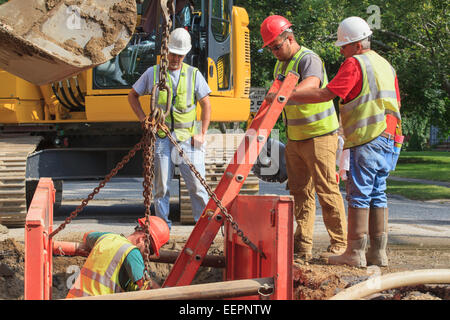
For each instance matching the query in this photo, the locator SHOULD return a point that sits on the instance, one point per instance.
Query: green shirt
(132, 269)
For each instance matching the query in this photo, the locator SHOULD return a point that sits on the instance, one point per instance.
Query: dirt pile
(12, 258)
(313, 281)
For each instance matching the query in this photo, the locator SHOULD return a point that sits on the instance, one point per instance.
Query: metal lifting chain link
(108, 177)
(150, 125)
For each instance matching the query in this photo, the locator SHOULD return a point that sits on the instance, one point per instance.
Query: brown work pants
(311, 168)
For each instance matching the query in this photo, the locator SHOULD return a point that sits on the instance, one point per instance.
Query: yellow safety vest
(363, 118)
(306, 121)
(100, 272)
(183, 113)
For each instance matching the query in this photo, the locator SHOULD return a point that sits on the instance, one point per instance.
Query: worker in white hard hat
(370, 115)
(312, 142)
(188, 86)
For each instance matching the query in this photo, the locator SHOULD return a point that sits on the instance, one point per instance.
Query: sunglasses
(277, 47)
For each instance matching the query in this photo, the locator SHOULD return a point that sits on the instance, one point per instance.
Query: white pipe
(393, 280)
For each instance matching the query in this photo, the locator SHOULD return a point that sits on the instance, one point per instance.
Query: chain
(150, 128)
(148, 165)
(167, 9)
(211, 193)
(108, 177)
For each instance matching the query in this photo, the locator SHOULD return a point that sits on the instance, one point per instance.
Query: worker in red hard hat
(369, 105)
(312, 132)
(115, 262)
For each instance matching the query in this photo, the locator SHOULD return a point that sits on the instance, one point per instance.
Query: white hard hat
(179, 42)
(352, 29)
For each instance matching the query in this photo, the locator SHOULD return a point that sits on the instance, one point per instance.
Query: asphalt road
(119, 203)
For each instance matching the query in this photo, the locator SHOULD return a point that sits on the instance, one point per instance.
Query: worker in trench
(188, 86)
(115, 262)
(367, 86)
(312, 142)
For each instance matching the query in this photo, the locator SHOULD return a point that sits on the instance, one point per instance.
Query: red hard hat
(159, 232)
(272, 27)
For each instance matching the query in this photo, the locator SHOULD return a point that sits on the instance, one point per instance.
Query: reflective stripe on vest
(105, 278)
(306, 121)
(363, 118)
(184, 107)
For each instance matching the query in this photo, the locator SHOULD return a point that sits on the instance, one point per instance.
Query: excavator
(66, 68)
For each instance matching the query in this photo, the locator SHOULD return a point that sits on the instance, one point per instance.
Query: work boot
(302, 257)
(355, 253)
(378, 220)
(332, 250)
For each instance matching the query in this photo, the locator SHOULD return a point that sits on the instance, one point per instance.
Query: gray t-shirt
(311, 65)
(144, 84)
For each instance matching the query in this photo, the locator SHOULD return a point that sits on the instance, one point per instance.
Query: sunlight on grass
(417, 191)
(424, 165)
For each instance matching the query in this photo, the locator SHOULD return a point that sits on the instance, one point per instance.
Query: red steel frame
(206, 228)
(38, 245)
(271, 222)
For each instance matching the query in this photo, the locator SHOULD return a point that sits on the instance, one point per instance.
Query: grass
(426, 165)
(417, 191)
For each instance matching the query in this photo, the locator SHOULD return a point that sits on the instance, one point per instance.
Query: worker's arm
(205, 105)
(311, 95)
(307, 91)
(133, 100)
(308, 83)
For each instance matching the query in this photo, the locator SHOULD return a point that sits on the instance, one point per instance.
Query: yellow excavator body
(74, 106)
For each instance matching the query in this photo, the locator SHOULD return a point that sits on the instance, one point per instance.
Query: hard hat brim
(343, 43)
(179, 52)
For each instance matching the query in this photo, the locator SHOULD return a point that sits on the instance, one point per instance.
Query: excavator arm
(43, 41)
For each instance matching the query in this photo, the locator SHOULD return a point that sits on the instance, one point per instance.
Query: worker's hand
(148, 285)
(198, 140)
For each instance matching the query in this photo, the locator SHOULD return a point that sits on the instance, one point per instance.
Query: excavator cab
(208, 22)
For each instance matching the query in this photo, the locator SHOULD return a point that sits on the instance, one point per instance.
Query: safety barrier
(38, 245)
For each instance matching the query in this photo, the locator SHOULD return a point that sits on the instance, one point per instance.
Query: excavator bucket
(43, 41)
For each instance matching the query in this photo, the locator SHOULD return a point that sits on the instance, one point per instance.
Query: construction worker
(188, 86)
(312, 142)
(369, 110)
(115, 262)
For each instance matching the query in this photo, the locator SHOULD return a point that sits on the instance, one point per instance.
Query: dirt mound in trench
(12, 258)
(313, 281)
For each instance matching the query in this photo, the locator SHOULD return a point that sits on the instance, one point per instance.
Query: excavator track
(14, 151)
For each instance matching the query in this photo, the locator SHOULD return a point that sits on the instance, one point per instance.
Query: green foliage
(3, 1)
(412, 36)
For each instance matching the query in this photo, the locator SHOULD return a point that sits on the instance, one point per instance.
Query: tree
(411, 34)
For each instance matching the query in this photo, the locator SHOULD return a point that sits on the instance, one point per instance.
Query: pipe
(66, 248)
(214, 290)
(393, 280)
(167, 256)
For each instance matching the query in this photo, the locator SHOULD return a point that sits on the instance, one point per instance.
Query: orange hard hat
(159, 232)
(272, 27)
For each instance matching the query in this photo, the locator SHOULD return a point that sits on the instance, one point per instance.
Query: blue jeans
(166, 156)
(370, 165)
